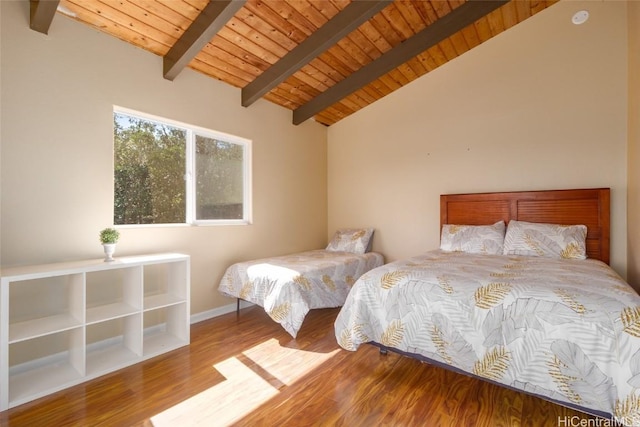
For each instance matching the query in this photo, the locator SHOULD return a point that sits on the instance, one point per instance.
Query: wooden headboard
(567, 207)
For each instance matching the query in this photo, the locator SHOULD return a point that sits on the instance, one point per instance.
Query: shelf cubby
(46, 371)
(113, 344)
(54, 304)
(113, 293)
(164, 330)
(163, 284)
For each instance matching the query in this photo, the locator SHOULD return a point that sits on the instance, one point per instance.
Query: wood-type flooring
(247, 371)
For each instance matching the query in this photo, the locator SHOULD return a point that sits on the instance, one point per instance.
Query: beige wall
(633, 209)
(58, 92)
(541, 106)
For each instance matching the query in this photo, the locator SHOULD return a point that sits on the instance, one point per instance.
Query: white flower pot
(109, 249)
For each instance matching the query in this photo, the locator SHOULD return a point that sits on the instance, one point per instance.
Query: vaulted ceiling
(324, 59)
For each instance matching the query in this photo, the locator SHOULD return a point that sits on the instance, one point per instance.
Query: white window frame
(191, 132)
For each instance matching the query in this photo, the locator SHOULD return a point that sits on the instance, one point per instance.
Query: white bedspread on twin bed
(568, 330)
(289, 286)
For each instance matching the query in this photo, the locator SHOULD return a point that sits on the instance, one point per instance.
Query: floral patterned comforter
(289, 286)
(568, 330)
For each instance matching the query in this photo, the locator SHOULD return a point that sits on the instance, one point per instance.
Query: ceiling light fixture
(580, 17)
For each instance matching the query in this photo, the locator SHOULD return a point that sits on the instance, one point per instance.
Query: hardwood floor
(248, 371)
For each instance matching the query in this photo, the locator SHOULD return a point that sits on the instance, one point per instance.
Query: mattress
(565, 330)
(289, 286)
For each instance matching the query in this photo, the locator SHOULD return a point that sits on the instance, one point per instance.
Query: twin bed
(520, 293)
(527, 312)
(287, 287)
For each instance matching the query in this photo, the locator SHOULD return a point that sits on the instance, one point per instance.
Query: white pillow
(355, 240)
(546, 240)
(473, 239)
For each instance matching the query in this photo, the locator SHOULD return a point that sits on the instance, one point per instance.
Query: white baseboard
(219, 311)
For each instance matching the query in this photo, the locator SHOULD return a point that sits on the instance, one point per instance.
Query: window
(167, 172)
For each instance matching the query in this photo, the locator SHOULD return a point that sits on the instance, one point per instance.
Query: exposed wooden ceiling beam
(206, 25)
(338, 27)
(459, 18)
(41, 14)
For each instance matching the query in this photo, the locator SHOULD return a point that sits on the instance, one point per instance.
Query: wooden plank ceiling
(257, 34)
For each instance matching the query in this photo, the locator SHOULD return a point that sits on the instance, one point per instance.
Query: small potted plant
(109, 237)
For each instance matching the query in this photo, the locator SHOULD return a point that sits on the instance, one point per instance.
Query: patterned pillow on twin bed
(473, 239)
(546, 240)
(355, 240)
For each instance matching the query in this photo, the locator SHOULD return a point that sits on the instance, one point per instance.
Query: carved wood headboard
(567, 207)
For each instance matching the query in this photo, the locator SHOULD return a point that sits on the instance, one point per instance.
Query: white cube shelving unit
(62, 324)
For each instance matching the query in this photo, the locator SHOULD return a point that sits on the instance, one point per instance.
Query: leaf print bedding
(565, 330)
(287, 287)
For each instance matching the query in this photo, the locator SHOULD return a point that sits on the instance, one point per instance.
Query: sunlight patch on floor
(284, 363)
(248, 385)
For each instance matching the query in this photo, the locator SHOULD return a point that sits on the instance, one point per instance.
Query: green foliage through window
(218, 179)
(150, 166)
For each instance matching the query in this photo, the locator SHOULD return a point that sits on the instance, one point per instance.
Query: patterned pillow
(473, 239)
(546, 240)
(354, 240)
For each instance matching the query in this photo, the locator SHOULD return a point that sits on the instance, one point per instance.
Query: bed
(287, 287)
(564, 328)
